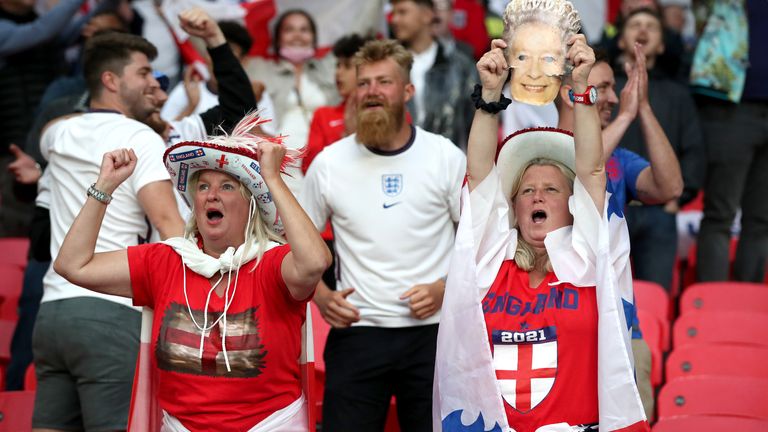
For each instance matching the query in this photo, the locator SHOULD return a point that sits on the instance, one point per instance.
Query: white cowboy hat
(234, 155)
(527, 144)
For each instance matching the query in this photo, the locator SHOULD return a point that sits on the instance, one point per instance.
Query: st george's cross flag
(594, 251)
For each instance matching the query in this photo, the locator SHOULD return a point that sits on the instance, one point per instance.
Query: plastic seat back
(651, 329)
(14, 251)
(719, 360)
(714, 395)
(320, 329)
(30, 378)
(710, 424)
(741, 328)
(16, 411)
(652, 298)
(725, 296)
(11, 283)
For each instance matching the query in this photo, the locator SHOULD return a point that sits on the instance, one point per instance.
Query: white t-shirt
(519, 115)
(393, 219)
(74, 149)
(43, 198)
(422, 62)
(177, 101)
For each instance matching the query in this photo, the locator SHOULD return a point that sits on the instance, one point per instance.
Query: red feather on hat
(243, 140)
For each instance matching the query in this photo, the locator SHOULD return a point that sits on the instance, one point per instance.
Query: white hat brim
(525, 145)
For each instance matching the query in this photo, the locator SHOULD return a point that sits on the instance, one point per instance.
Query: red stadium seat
(30, 378)
(650, 326)
(11, 282)
(16, 411)
(14, 251)
(719, 360)
(710, 424)
(6, 334)
(744, 328)
(710, 395)
(651, 297)
(725, 296)
(320, 329)
(651, 329)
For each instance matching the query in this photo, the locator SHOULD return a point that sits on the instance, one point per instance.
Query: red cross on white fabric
(222, 161)
(523, 376)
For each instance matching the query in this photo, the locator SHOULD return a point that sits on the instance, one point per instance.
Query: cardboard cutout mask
(537, 60)
(536, 32)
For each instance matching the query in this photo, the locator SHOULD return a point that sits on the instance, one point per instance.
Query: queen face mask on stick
(536, 33)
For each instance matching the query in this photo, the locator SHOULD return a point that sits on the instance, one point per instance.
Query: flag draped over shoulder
(465, 395)
(145, 413)
(592, 252)
(621, 408)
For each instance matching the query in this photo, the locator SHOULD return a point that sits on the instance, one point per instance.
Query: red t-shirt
(544, 344)
(326, 128)
(263, 340)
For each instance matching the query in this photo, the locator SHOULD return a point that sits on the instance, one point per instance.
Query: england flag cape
(594, 251)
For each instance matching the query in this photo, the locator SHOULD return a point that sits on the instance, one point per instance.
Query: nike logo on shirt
(386, 206)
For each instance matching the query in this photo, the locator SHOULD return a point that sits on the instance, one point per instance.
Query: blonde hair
(559, 14)
(258, 230)
(525, 256)
(382, 49)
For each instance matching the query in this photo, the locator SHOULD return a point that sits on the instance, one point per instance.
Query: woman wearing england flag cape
(229, 298)
(533, 336)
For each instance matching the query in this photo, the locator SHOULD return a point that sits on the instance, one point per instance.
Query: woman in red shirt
(519, 328)
(229, 297)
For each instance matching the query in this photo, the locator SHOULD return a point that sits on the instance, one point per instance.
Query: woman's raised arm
(483, 136)
(303, 267)
(587, 134)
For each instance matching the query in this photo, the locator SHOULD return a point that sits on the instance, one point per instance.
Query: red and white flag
(470, 385)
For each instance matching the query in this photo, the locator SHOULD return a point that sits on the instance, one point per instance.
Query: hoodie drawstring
(227, 299)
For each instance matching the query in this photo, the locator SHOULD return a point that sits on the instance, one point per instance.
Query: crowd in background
(706, 91)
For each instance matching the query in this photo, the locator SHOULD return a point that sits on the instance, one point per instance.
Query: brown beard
(377, 128)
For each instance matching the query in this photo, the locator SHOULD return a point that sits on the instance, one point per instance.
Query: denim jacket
(448, 85)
